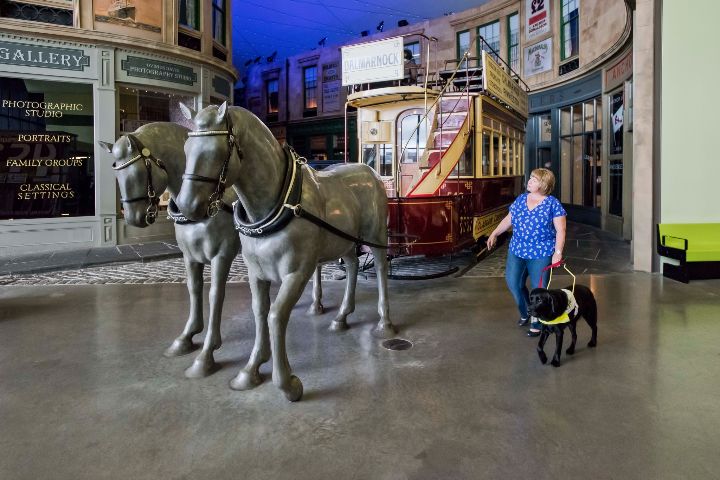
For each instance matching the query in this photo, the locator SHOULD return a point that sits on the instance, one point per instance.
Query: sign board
(619, 72)
(498, 83)
(46, 149)
(42, 56)
(373, 62)
(537, 18)
(158, 70)
(330, 87)
(538, 58)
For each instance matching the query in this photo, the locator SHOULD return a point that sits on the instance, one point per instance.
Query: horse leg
(290, 291)
(183, 345)
(204, 363)
(348, 303)
(249, 377)
(384, 328)
(317, 307)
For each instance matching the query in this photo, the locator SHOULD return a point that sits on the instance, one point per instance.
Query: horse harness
(288, 204)
(151, 197)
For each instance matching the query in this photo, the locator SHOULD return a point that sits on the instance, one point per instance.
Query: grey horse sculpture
(147, 162)
(230, 145)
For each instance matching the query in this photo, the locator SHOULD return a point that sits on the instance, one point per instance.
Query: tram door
(412, 137)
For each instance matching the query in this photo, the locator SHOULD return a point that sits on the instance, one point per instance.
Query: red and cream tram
(451, 155)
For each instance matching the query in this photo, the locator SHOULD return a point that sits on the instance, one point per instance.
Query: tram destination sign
(498, 83)
(373, 62)
(158, 70)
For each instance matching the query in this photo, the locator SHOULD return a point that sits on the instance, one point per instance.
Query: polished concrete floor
(86, 394)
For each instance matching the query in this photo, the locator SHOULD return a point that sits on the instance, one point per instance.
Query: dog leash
(557, 265)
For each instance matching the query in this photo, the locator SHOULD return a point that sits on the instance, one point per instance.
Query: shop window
(581, 154)
(271, 92)
(189, 14)
(545, 125)
(218, 21)
(310, 89)
(514, 42)
(318, 147)
(59, 12)
(569, 29)
(46, 149)
(491, 34)
(463, 45)
(486, 153)
(615, 173)
(138, 107)
(338, 147)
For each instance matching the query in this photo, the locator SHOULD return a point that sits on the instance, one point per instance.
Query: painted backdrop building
(73, 72)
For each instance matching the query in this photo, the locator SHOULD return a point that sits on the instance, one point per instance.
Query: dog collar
(565, 317)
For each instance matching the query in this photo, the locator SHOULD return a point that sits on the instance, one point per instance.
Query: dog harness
(565, 317)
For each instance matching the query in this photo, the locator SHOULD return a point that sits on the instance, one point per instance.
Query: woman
(538, 221)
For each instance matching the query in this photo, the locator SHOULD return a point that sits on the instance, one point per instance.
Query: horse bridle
(151, 197)
(215, 200)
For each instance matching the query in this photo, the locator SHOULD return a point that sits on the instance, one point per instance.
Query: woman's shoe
(535, 328)
(523, 321)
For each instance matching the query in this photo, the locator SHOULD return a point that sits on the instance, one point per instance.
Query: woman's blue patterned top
(533, 230)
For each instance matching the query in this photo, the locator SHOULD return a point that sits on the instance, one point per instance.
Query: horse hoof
(338, 326)
(201, 369)
(295, 391)
(318, 309)
(245, 381)
(179, 347)
(384, 331)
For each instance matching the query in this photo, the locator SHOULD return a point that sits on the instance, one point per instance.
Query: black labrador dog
(550, 305)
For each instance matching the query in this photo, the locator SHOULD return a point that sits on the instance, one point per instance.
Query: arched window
(412, 135)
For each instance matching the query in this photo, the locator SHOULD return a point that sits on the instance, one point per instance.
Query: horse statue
(277, 195)
(148, 161)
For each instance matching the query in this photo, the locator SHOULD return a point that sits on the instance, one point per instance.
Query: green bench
(695, 245)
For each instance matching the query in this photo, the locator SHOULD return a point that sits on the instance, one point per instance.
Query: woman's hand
(556, 257)
(491, 241)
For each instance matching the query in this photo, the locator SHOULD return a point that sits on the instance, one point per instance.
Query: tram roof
(387, 95)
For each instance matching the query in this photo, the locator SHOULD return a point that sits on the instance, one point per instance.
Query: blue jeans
(517, 271)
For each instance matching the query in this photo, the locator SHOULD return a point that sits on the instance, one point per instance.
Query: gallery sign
(152, 69)
(538, 58)
(46, 149)
(373, 62)
(537, 15)
(43, 56)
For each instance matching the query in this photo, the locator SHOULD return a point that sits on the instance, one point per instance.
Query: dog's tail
(589, 312)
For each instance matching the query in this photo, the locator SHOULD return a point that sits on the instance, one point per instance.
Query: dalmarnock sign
(373, 62)
(497, 82)
(43, 56)
(158, 70)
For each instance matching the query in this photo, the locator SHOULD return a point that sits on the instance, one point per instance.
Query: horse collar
(279, 216)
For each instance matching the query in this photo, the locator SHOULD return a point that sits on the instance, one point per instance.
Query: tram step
(444, 139)
(454, 104)
(433, 157)
(452, 120)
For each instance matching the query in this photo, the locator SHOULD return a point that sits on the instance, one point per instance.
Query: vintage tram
(450, 149)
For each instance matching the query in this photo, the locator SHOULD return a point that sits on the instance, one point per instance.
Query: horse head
(211, 151)
(141, 178)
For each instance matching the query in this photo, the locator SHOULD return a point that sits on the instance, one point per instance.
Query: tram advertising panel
(46, 149)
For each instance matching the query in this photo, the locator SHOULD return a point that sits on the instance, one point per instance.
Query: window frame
(222, 12)
(307, 88)
(268, 93)
(563, 54)
(478, 35)
(198, 16)
(417, 57)
(510, 45)
(458, 48)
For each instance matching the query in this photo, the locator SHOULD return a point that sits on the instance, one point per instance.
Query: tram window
(413, 135)
(486, 153)
(465, 164)
(511, 156)
(487, 121)
(383, 151)
(496, 154)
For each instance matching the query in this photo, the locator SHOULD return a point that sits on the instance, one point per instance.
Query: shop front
(57, 100)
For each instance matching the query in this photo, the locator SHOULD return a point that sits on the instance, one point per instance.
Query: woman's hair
(546, 179)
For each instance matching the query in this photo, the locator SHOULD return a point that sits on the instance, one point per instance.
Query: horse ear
(187, 112)
(222, 110)
(107, 146)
